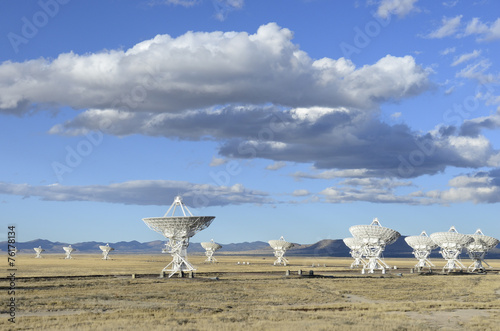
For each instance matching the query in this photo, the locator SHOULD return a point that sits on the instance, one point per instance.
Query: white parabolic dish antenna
(356, 247)
(68, 251)
(38, 251)
(422, 247)
(210, 248)
(478, 248)
(178, 230)
(105, 251)
(451, 244)
(280, 246)
(374, 238)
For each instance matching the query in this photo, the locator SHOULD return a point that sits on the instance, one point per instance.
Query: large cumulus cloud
(201, 69)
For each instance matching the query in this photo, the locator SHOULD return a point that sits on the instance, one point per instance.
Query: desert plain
(126, 293)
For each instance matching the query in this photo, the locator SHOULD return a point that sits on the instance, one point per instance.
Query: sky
(294, 118)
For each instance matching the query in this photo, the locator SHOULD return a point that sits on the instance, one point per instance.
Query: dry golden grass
(256, 296)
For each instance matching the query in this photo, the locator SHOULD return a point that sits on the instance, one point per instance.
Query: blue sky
(295, 118)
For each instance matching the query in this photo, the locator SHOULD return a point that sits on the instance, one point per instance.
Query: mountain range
(326, 247)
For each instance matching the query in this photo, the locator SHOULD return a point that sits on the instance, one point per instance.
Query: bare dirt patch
(451, 320)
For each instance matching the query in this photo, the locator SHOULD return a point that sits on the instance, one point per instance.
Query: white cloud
(199, 70)
(477, 71)
(449, 27)
(486, 32)
(396, 115)
(471, 148)
(370, 190)
(276, 165)
(217, 162)
(448, 51)
(237, 4)
(301, 193)
(450, 3)
(334, 174)
(397, 7)
(142, 192)
(184, 3)
(224, 7)
(475, 26)
(481, 187)
(449, 90)
(466, 57)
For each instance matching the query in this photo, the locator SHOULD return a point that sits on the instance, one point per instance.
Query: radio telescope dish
(451, 244)
(422, 246)
(374, 238)
(280, 246)
(178, 230)
(210, 248)
(68, 251)
(478, 248)
(105, 251)
(38, 251)
(356, 251)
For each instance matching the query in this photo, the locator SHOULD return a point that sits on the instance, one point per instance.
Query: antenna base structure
(478, 260)
(477, 250)
(210, 248)
(423, 261)
(373, 239)
(280, 247)
(452, 257)
(68, 250)
(178, 250)
(178, 230)
(38, 252)
(356, 251)
(373, 251)
(105, 251)
(451, 244)
(422, 247)
(210, 257)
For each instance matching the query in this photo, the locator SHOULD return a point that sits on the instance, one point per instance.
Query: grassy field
(87, 293)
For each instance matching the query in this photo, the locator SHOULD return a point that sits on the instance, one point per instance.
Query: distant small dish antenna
(451, 244)
(38, 251)
(105, 251)
(280, 246)
(374, 238)
(178, 230)
(68, 251)
(422, 247)
(478, 248)
(210, 248)
(356, 250)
